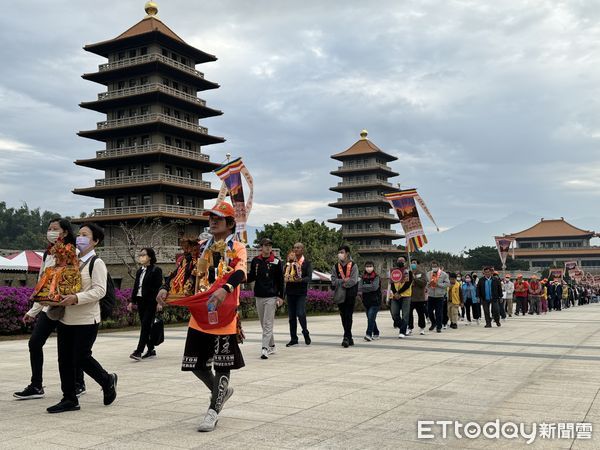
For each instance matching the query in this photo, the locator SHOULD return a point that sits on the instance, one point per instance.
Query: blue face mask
(82, 243)
(413, 266)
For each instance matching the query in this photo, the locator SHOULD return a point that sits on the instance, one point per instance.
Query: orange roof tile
(363, 147)
(147, 25)
(552, 228)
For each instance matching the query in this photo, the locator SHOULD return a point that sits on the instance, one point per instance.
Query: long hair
(66, 226)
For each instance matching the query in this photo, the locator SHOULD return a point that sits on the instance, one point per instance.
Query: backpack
(108, 303)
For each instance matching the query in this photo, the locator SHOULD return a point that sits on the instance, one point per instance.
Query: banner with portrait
(570, 265)
(503, 244)
(404, 204)
(556, 273)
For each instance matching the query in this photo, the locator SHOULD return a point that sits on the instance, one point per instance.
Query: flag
(570, 265)
(231, 174)
(556, 273)
(503, 244)
(576, 274)
(404, 204)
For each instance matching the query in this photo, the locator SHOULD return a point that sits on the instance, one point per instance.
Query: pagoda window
(179, 172)
(184, 61)
(133, 112)
(133, 201)
(189, 174)
(178, 143)
(120, 143)
(120, 114)
(165, 82)
(188, 145)
(133, 142)
(168, 170)
(120, 172)
(133, 171)
(146, 200)
(174, 56)
(167, 111)
(132, 53)
(167, 140)
(146, 169)
(590, 263)
(176, 114)
(169, 199)
(191, 203)
(185, 89)
(121, 56)
(165, 52)
(121, 85)
(179, 200)
(144, 110)
(146, 140)
(143, 81)
(119, 202)
(175, 85)
(187, 118)
(143, 51)
(525, 245)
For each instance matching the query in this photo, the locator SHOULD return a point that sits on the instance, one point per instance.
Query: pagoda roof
(149, 29)
(363, 147)
(552, 228)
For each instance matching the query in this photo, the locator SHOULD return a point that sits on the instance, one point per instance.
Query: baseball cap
(221, 209)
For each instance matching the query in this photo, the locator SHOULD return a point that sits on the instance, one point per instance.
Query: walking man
(401, 295)
(437, 284)
(266, 271)
(298, 273)
(418, 300)
(489, 291)
(344, 281)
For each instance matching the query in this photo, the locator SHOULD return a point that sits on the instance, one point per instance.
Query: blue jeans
(371, 320)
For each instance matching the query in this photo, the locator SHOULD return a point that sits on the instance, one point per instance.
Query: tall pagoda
(153, 161)
(365, 217)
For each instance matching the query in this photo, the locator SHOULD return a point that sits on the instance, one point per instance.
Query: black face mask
(400, 264)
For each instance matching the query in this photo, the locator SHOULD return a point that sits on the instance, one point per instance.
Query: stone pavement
(532, 369)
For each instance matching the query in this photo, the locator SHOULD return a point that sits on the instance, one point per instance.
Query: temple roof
(363, 147)
(147, 25)
(552, 228)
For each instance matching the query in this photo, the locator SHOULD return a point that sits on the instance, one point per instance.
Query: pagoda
(365, 217)
(153, 161)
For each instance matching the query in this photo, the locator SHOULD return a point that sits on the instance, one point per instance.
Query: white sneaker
(368, 338)
(401, 336)
(264, 354)
(210, 421)
(422, 332)
(477, 322)
(271, 350)
(444, 327)
(409, 332)
(375, 337)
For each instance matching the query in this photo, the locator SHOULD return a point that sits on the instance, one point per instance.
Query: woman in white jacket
(78, 328)
(58, 228)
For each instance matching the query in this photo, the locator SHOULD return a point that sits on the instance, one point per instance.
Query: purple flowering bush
(14, 303)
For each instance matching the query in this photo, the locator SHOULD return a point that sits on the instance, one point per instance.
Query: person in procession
(148, 281)
(266, 272)
(369, 288)
(401, 295)
(59, 230)
(455, 300)
(544, 298)
(469, 295)
(344, 283)
(418, 299)
(501, 301)
(508, 289)
(214, 344)
(536, 289)
(297, 276)
(437, 284)
(78, 328)
(489, 290)
(521, 293)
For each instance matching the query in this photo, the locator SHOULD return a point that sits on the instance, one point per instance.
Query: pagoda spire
(151, 9)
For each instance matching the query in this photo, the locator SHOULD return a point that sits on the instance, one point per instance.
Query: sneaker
(80, 390)
(210, 421)
(498, 324)
(264, 354)
(375, 337)
(271, 350)
(401, 336)
(307, 339)
(292, 342)
(409, 332)
(467, 323)
(478, 322)
(64, 406)
(136, 355)
(444, 327)
(351, 342)
(488, 325)
(432, 327)
(149, 354)
(29, 393)
(111, 392)
(454, 326)
(422, 332)
(438, 330)
(345, 343)
(368, 338)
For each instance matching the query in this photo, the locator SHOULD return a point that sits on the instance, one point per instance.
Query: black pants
(75, 350)
(147, 312)
(421, 308)
(41, 331)
(297, 310)
(346, 311)
(435, 306)
(475, 307)
(495, 312)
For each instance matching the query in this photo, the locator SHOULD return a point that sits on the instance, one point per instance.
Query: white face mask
(369, 269)
(434, 269)
(341, 256)
(52, 236)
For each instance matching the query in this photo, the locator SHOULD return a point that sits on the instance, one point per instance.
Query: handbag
(339, 295)
(157, 333)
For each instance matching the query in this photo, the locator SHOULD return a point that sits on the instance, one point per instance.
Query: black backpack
(108, 303)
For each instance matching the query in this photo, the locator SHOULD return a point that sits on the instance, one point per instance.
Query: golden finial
(364, 134)
(151, 9)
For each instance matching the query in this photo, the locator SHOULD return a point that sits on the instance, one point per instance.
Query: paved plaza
(532, 369)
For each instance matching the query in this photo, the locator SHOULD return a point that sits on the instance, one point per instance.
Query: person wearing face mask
(508, 287)
(344, 282)
(148, 281)
(78, 328)
(489, 291)
(469, 294)
(58, 229)
(418, 300)
(369, 287)
(437, 284)
(401, 294)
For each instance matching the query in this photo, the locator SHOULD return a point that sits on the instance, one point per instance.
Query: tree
(22, 228)
(487, 255)
(320, 242)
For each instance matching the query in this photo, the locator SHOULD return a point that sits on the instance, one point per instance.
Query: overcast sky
(491, 107)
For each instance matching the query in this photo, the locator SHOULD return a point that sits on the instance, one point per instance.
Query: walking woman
(58, 229)
(469, 292)
(148, 281)
(78, 328)
(369, 286)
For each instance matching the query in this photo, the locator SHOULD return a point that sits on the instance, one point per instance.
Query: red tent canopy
(28, 260)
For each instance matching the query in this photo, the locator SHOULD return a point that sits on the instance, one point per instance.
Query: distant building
(551, 242)
(365, 214)
(153, 160)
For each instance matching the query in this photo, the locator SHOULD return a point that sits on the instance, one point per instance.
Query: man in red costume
(212, 339)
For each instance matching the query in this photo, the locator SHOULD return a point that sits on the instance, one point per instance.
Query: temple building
(551, 242)
(365, 214)
(153, 160)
